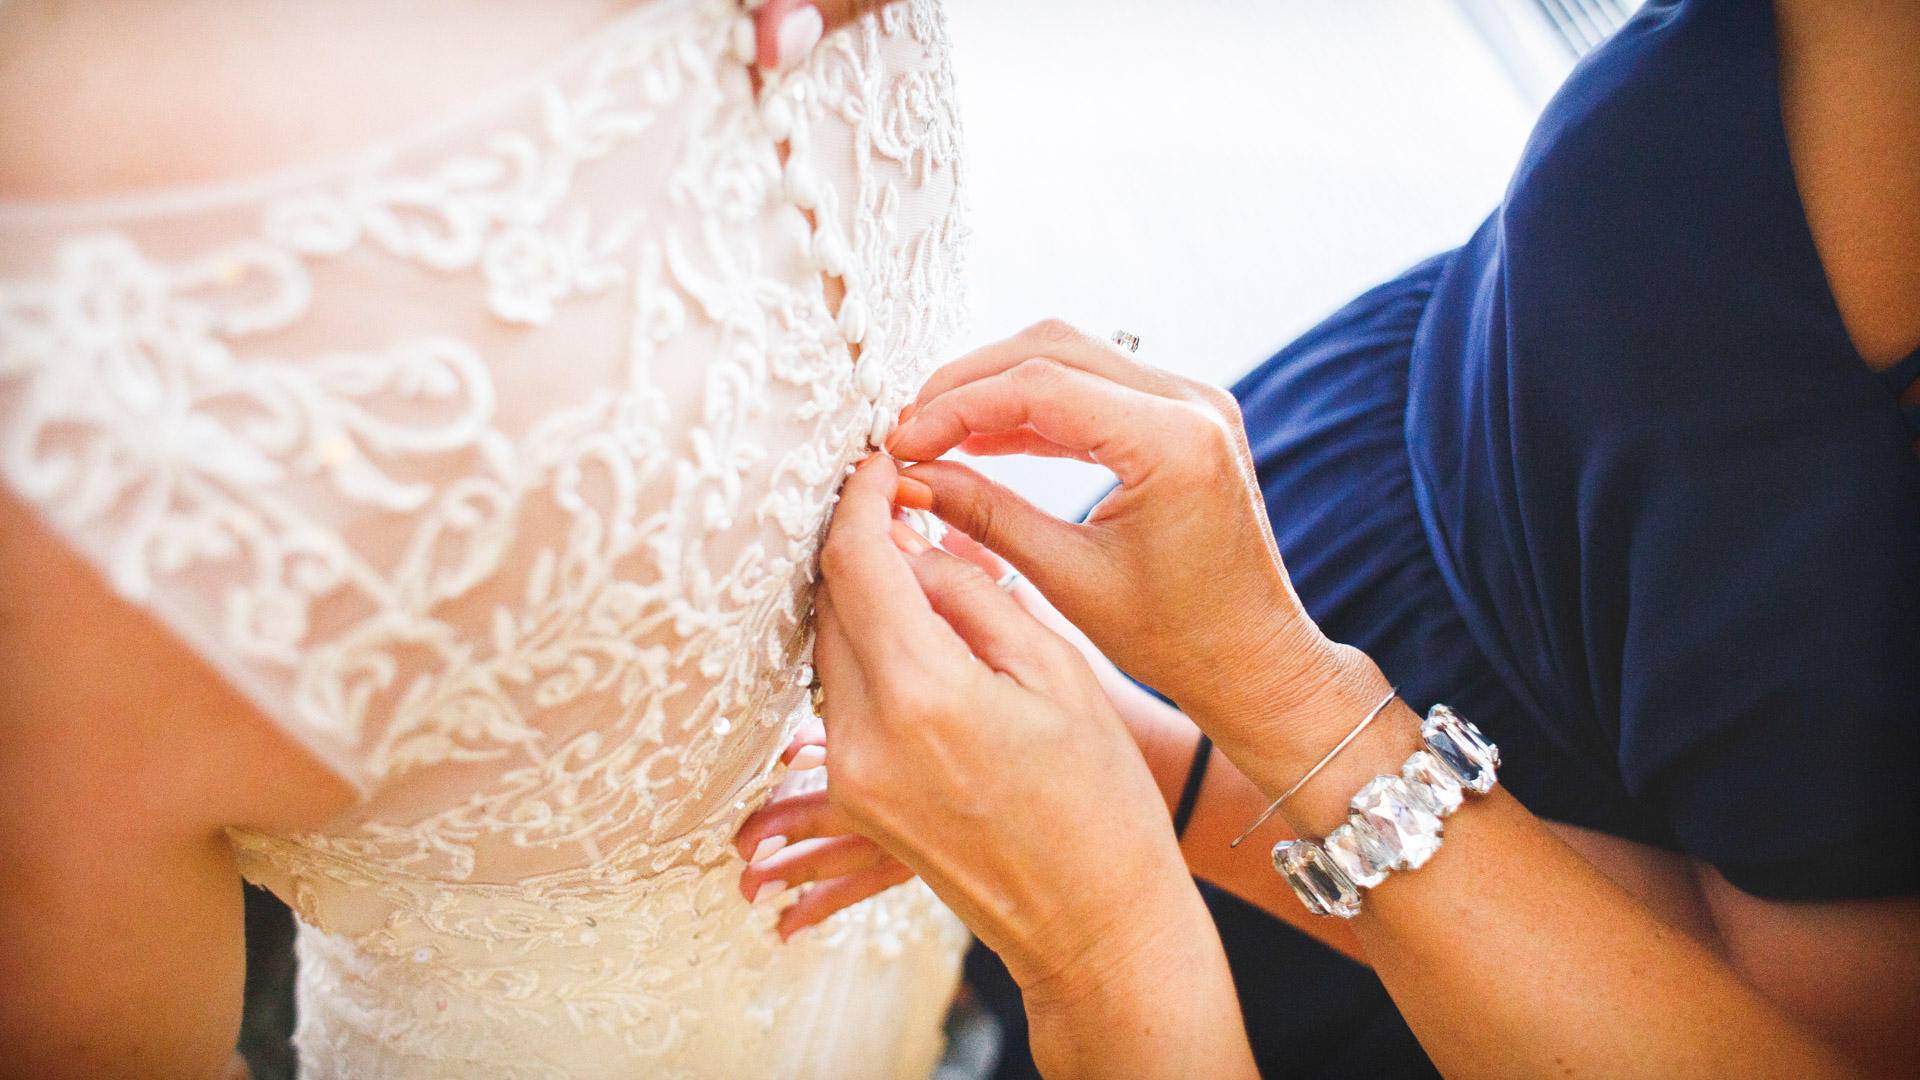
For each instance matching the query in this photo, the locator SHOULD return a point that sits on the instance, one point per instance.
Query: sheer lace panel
(492, 465)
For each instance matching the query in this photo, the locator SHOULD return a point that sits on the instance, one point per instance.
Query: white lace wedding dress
(491, 464)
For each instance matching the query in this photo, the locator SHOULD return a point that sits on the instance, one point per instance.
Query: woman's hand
(802, 839)
(798, 838)
(977, 747)
(1174, 574)
(785, 31)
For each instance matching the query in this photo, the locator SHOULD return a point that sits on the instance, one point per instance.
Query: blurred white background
(1217, 175)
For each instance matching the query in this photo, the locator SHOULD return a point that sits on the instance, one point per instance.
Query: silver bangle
(1395, 823)
(1302, 782)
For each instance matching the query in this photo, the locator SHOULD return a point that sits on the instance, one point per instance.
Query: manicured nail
(770, 889)
(799, 31)
(913, 494)
(767, 847)
(868, 460)
(808, 757)
(907, 411)
(893, 440)
(907, 540)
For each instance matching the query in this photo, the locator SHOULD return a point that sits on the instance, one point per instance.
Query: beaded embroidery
(495, 474)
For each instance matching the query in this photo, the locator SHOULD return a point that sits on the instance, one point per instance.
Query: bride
(417, 424)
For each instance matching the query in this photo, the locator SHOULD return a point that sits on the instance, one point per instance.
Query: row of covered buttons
(784, 117)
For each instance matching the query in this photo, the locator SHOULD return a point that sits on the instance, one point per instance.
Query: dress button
(777, 116)
(801, 186)
(829, 254)
(745, 48)
(881, 428)
(870, 376)
(852, 321)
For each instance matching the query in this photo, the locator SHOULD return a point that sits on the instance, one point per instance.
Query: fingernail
(799, 31)
(868, 460)
(808, 757)
(770, 889)
(797, 936)
(893, 440)
(913, 494)
(907, 411)
(907, 540)
(767, 847)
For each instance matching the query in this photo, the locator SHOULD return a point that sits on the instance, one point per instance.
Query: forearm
(1161, 1005)
(1507, 952)
(1228, 802)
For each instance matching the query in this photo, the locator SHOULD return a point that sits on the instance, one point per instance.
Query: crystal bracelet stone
(1395, 824)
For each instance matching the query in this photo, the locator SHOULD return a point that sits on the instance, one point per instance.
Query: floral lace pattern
(493, 469)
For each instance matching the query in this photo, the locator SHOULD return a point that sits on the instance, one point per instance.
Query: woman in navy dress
(1630, 480)
(1616, 481)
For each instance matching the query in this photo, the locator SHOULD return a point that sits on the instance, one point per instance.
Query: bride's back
(477, 427)
(106, 98)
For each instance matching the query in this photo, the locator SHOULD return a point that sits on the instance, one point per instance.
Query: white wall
(1215, 175)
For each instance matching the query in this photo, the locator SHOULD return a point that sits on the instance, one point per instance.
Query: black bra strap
(1196, 778)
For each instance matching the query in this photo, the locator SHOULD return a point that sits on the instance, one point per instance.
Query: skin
(122, 952)
(948, 634)
(1550, 967)
(1847, 971)
(120, 933)
(126, 758)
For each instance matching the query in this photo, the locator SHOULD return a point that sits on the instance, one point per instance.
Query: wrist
(1285, 726)
(1167, 742)
(1283, 700)
(1165, 1007)
(1126, 964)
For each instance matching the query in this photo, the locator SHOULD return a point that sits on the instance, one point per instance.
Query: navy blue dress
(1613, 481)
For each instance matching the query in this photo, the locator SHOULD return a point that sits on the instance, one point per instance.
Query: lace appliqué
(555, 645)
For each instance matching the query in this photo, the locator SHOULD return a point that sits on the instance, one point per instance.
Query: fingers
(976, 553)
(808, 749)
(995, 627)
(866, 583)
(807, 861)
(1012, 443)
(1097, 419)
(785, 31)
(842, 683)
(1042, 546)
(1031, 599)
(828, 897)
(1056, 340)
(789, 821)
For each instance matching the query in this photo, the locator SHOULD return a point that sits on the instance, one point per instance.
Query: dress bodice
(490, 463)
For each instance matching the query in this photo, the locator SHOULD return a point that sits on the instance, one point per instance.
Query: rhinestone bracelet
(1395, 824)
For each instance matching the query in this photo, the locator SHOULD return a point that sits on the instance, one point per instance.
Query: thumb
(1050, 552)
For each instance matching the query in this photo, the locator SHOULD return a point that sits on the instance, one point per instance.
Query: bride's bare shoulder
(99, 97)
